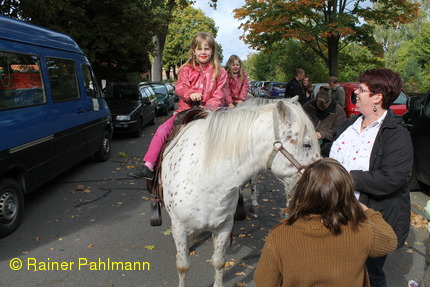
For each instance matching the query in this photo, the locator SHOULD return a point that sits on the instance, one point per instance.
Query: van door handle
(80, 111)
(89, 109)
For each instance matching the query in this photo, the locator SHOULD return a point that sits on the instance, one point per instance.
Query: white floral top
(353, 147)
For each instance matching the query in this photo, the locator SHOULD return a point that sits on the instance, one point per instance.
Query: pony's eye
(307, 146)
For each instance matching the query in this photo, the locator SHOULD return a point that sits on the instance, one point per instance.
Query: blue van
(52, 113)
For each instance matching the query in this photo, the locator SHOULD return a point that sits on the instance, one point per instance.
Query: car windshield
(401, 99)
(279, 87)
(124, 93)
(159, 89)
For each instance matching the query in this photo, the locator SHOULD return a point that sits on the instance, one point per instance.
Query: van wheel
(11, 206)
(103, 153)
(413, 183)
(139, 127)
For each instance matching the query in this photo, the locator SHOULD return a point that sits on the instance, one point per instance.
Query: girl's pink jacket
(200, 81)
(238, 90)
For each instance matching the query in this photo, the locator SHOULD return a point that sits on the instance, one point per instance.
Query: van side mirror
(413, 103)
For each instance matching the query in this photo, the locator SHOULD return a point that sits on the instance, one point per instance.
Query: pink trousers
(158, 140)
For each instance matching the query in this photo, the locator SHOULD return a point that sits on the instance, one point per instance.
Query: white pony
(207, 162)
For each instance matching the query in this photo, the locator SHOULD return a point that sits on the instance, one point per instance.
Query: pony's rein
(279, 147)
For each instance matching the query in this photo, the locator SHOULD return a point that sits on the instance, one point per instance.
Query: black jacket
(294, 88)
(384, 187)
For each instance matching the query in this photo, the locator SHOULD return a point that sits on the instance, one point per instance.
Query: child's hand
(196, 97)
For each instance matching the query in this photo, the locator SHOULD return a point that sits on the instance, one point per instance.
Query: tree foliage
(187, 22)
(326, 27)
(115, 35)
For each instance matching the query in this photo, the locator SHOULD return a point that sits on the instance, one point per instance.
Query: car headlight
(123, 118)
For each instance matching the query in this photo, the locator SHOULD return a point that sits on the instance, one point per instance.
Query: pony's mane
(228, 132)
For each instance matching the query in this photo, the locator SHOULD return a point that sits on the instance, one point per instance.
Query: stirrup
(155, 218)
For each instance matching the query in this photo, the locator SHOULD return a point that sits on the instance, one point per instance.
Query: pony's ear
(295, 100)
(283, 112)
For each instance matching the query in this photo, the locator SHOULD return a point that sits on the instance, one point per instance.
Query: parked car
(132, 107)
(252, 86)
(276, 90)
(53, 113)
(262, 89)
(165, 96)
(417, 120)
(317, 87)
(398, 107)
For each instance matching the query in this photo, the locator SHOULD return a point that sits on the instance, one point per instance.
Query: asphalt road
(94, 218)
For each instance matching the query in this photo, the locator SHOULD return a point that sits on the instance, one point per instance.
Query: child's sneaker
(413, 283)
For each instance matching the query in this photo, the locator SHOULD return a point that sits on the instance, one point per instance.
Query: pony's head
(296, 133)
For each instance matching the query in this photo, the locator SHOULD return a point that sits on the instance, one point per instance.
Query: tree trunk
(156, 69)
(333, 55)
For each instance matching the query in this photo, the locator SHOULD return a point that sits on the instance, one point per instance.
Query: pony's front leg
(220, 240)
(182, 260)
(255, 207)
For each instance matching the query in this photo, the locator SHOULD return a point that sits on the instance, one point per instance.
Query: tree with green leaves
(115, 35)
(187, 22)
(326, 27)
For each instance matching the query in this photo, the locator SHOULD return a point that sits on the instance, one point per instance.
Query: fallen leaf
(122, 154)
(409, 250)
(37, 238)
(87, 191)
(241, 235)
(192, 253)
(150, 247)
(229, 263)
(24, 252)
(130, 167)
(246, 266)
(90, 246)
(168, 231)
(240, 273)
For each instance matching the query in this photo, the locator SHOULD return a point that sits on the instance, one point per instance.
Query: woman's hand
(196, 97)
(364, 206)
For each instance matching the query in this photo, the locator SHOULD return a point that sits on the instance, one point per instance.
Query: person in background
(202, 81)
(294, 87)
(308, 89)
(327, 234)
(376, 149)
(238, 84)
(337, 92)
(326, 115)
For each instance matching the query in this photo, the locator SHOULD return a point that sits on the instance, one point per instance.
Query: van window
(90, 82)
(63, 79)
(20, 81)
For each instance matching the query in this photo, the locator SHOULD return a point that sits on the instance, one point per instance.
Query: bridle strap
(278, 147)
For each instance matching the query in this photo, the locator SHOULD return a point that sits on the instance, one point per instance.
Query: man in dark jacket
(294, 87)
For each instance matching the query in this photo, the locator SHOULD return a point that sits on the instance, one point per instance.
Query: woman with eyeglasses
(376, 149)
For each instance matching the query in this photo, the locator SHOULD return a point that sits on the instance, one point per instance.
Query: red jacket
(238, 90)
(201, 81)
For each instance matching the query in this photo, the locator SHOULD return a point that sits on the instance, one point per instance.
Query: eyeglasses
(361, 90)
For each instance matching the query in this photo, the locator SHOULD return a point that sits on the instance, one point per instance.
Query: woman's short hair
(327, 189)
(383, 81)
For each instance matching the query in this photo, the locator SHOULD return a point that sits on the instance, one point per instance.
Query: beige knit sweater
(307, 254)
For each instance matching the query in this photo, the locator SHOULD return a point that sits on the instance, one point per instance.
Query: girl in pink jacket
(202, 81)
(237, 82)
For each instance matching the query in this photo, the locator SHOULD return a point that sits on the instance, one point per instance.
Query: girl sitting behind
(238, 84)
(327, 235)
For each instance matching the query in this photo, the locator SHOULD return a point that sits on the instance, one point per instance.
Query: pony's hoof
(155, 219)
(255, 209)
